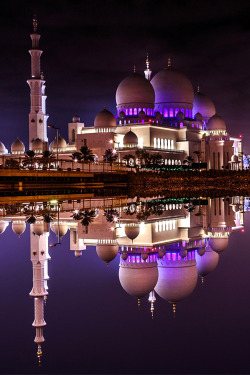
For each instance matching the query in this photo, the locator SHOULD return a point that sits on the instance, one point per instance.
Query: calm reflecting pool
(125, 286)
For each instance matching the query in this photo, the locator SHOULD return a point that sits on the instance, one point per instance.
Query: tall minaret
(39, 257)
(37, 116)
(148, 71)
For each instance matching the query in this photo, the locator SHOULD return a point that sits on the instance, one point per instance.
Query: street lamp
(57, 135)
(118, 143)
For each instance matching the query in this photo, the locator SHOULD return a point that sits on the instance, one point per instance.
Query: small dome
(38, 228)
(62, 145)
(105, 119)
(142, 114)
(37, 145)
(198, 117)
(132, 231)
(216, 122)
(76, 118)
(63, 229)
(122, 114)
(138, 281)
(107, 252)
(218, 244)
(158, 116)
(130, 139)
(207, 262)
(203, 105)
(161, 254)
(17, 147)
(180, 115)
(124, 256)
(3, 226)
(172, 87)
(2, 149)
(18, 227)
(135, 90)
(201, 251)
(78, 253)
(183, 253)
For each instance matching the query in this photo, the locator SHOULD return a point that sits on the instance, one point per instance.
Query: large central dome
(135, 92)
(173, 91)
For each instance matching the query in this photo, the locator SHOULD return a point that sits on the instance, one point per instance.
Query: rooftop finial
(169, 62)
(39, 354)
(105, 107)
(198, 88)
(134, 69)
(152, 309)
(202, 280)
(174, 309)
(139, 303)
(148, 71)
(147, 62)
(35, 23)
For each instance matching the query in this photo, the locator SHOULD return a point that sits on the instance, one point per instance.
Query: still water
(175, 297)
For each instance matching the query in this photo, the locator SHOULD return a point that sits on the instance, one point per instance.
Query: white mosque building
(159, 113)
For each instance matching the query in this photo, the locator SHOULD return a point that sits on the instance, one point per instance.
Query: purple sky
(90, 46)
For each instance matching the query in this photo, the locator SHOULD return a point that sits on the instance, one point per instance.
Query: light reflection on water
(159, 253)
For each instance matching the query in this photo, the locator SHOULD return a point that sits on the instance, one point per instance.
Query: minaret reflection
(39, 233)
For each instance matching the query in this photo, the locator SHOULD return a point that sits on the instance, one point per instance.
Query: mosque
(160, 114)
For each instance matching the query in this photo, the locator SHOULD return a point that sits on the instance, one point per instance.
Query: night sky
(90, 46)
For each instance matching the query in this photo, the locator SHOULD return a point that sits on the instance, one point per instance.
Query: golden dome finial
(202, 280)
(45, 300)
(107, 265)
(198, 88)
(39, 354)
(152, 309)
(174, 309)
(35, 23)
(147, 62)
(134, 69)
(169, 62)
(139, 303)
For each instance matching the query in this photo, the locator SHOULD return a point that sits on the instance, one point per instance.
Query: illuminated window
(165, 112)
(130, 112)
(182, 110)
(190, 113)
(126, 111)
(181, 124)
(144, 109)
(148, 111)
(171, 112)
(135, 111)
(139, 110)
(176, 111)
(186, 112)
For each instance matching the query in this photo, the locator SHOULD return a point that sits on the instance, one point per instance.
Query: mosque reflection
(163, 244)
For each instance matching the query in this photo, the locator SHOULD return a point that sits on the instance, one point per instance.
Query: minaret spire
(147, 72)
(37, 117)
(169, 62)
(152, 299)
